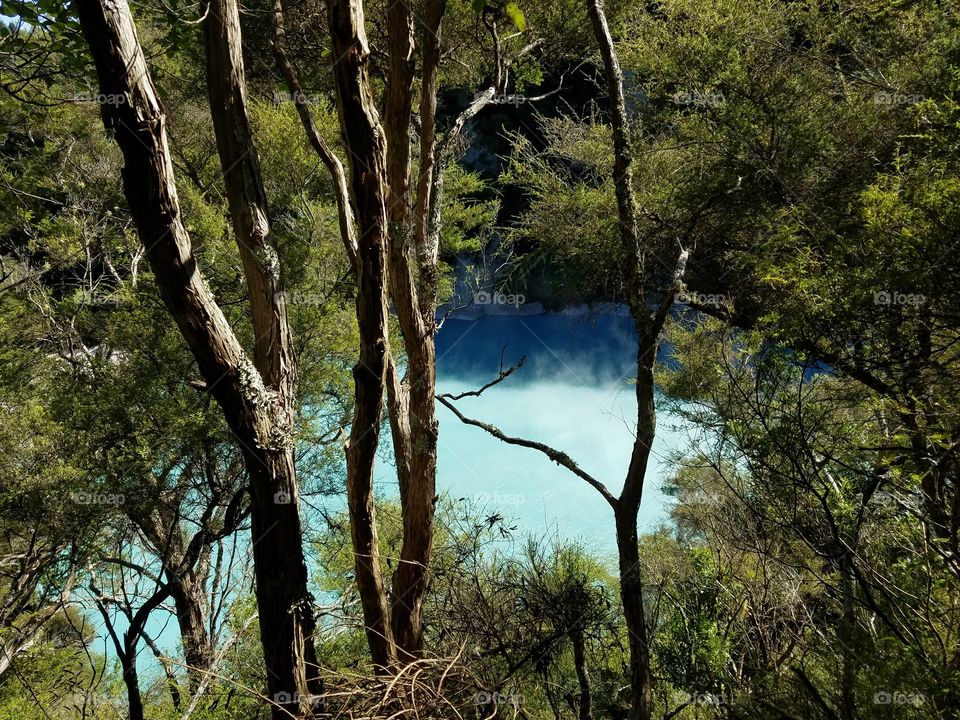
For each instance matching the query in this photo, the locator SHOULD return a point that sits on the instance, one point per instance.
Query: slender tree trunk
(187, 588)
(226, 86)
(649, 324)
(126, 648)
(190, 602)
(631, 595)
(412, 405)
(847, 632)
(585, 709)
(131, 681)
(256, 406)
(648, 327)
(360, 126)
(417, 496)
(431, 171)
(381, 184)
(626, 511)
(622, 160)
(279, 564)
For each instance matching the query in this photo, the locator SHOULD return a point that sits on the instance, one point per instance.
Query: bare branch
(561, 458)
(504, 374)
(334, 166)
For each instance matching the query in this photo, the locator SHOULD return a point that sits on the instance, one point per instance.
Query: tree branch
(561, 458)
(327, 156)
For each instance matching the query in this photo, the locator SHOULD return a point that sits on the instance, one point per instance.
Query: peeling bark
(279, 564)
(412, 405)
(360, 126)
(256, 406)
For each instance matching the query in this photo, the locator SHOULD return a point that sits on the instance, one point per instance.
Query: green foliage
(501, 10)
(805, 154)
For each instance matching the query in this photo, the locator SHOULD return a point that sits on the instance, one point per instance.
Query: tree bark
(648, 328)
(279, 565)
(417, 425)
(622, 158)
(190, 604)
(362, 135)
(381, 193)
(187, 588)
(131, 682)
(430, 170)
(631, 595)
(412, 405)
(256, 412)
(585, 705)
(626, 511)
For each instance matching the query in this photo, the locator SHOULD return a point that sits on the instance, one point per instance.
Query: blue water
(574, 392)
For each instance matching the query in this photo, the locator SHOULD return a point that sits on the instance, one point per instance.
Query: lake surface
(574, 392)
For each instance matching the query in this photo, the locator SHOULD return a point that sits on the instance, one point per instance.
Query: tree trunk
(190, 603)
(362, 135)
(131, 682)
(226, 85)
(648, 327)
(631, 595)
(279, 564)
(187, 586)
(380, 190)
(417, 471)
(622, 159)
(585, 710)
(283, 603)
(258, 414)
(412, 405)
(430, 170)
(626, 510)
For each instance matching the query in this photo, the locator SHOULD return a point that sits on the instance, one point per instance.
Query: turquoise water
(574, 392)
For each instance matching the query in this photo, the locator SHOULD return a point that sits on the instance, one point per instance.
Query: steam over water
(574, 392)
